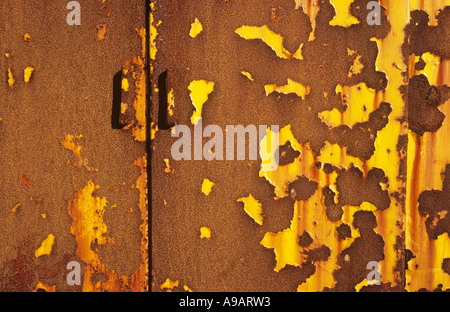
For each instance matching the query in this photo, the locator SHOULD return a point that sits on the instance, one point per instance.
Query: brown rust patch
(434, 205)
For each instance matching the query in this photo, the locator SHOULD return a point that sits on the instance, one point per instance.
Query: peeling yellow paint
(291, 87)
(205, 232)
(343, 16)
(200, 89)
(125, 85)
(170, 103)
(207, 186)
(357, 66)
(253, 208)
(169, 284)
(26, 37)
(27, 73)
(273, 40)
(11, 80)
(168, 168)
(153, 130)
(196, 28)
(142, 32)
(47, 288)
(17, 206)
(138, 127)
(46, 246)
(310, 8)
(248, 75)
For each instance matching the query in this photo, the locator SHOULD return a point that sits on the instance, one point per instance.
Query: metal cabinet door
(73, 185)
(332, 216)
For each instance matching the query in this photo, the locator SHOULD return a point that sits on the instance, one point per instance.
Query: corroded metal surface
(362, 177)
(363, 180)
(72, 187)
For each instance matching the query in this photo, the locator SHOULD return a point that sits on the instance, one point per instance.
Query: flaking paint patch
(46, 246)
(273, 40)
(170, 102)
(26, 37)
(11, 80)
(343, 16)
(248, 75)
(253, 208)
(88, 227)
(291, 87)
(46, 287)
(125, 84)
(169, 284)
(205, 232)
(196, 28)
(27, 72)
(207, 186)
(200, 90)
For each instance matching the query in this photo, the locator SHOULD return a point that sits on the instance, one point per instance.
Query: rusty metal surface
(72, 187)
(87, 113)
(356, 181)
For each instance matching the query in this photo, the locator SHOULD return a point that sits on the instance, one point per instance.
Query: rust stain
(25, 180)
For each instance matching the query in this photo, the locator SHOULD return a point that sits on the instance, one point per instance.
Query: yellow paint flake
(153, 130)
(207, 186)
(298, 54)
(357, 66)
(139, 103)
(47, 288)
(142, 32)
(153, 35)
(291, 87)
(168, 284)
(248, 75)
(46, 246)
(205, 232)
(285, 246)
(88, 226)
(253, 208)
(196, 28)
(26, 37)
(310, 8)
(273, 40)
(186, 288)
(123, 107)
(170, 103)
(27, 73)
(11, 80)
(431, 69)
(168, 168)
(200, 89)
(17, 206)
(125, 85)
(343, 16)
